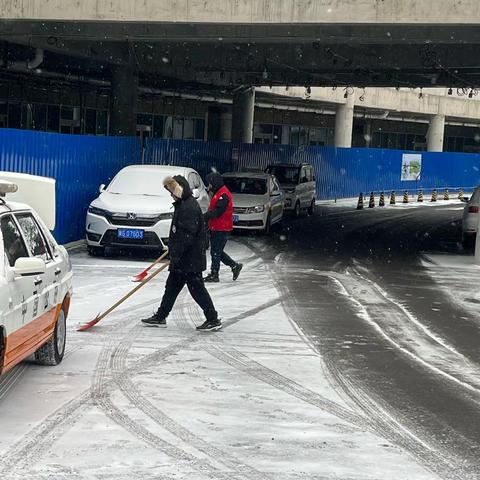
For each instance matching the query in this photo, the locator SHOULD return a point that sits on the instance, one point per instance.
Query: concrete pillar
(435, 133)
(123, 102)
(243, 114)
(344, 123)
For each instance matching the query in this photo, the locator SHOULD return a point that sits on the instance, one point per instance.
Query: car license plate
(130, 233)
(236, 218)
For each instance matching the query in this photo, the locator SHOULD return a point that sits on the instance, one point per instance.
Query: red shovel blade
(140, 277)
(88, 325)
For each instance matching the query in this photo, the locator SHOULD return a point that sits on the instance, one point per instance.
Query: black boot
(236, 270)
(212, 278)
(210, 326)
(155, 321)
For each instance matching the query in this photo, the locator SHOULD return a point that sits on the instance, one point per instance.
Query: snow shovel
(142, 275)
(99, 317)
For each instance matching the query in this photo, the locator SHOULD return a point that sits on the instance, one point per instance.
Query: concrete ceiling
(225, 56)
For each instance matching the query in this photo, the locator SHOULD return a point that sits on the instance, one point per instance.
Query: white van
(298, 184)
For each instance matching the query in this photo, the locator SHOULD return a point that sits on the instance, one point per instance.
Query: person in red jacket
(220, 222)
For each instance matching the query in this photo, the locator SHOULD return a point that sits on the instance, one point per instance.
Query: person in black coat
(187, 244)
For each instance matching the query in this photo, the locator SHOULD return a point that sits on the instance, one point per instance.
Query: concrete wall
(248, 11)
(406, 101)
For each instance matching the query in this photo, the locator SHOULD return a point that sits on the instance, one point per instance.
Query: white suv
(470, 219)
(135, 210)
(298, 183)
(35, 276)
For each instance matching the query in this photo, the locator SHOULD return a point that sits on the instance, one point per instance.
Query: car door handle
(38, 282)
(58, 272)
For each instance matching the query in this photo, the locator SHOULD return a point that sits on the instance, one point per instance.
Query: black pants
(194, 281)
(218, 240)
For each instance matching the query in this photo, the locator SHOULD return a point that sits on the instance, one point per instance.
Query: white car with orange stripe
(35, 273)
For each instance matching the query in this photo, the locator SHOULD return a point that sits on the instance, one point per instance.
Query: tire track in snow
(382, 425)
(237, 360)
(101, 397)
(128, 388)
(40, 438)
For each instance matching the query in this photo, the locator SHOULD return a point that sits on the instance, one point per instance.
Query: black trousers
(175, 282)
(218, 240)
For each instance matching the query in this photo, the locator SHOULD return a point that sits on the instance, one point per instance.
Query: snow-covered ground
(249, 402)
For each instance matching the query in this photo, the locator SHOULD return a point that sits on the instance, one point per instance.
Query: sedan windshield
(138, 183)
(246, 186)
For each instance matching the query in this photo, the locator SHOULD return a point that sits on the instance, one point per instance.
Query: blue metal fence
(78, 163)
(340, 172)
(81, 163)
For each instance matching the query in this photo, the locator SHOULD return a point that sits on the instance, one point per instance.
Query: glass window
(199, 129)
(53, 118)
(188, 129)
(12, 240)
(158, 126)
(246, 186)
(102, 122)
(294, 135)
(303, 136)
(39, 117)
(284, 174)
(178, 129)
(32, 235)
(144, 119)
(138, 182)
(277, 134)
(168, 127)
(90, 121)
(67, 113)
(14, 115)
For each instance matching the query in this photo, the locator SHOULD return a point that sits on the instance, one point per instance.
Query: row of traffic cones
(405, 199)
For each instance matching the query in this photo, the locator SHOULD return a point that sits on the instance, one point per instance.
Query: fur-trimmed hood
(178, 186)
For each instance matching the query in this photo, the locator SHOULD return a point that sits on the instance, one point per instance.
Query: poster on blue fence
(411, 166)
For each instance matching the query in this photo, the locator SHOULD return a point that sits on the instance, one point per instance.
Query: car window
(12, 240)
(33, 236)
(138, 182)
(193, 180)
(275, 186)
(476, 196)
(246, 186)
(304, 175)
(284, 174)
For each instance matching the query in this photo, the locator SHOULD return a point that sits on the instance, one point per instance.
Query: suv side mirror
(101, 188)
(25, 266)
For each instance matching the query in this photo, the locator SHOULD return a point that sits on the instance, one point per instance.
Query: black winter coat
(187, 241)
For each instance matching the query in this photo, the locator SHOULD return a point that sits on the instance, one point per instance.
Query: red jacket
(224, 223)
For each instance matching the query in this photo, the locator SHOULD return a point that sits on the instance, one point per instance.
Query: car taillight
(473, 209)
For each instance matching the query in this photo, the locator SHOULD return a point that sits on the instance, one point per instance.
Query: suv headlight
(97, 211)
(256, 209)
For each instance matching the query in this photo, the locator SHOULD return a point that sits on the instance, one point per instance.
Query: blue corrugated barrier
(340, 172)
(78, 163)
(81, 163)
